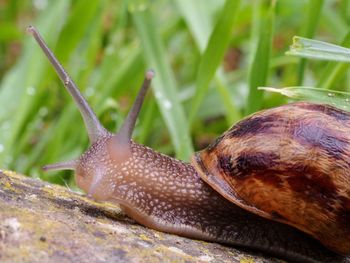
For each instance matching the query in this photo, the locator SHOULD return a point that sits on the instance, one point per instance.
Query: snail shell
(290, 164)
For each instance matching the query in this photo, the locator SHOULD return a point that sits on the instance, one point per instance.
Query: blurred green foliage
(209, 57)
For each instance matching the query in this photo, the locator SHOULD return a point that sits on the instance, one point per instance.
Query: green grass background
(209, 58)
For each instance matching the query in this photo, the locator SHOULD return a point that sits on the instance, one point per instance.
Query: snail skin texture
(277, 181)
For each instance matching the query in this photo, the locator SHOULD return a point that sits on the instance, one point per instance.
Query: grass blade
(335, 23)
(315, 49)
(199, 24)
(214, 53)
(260, 63)
(334, 70)
(197, 21)
(311, 22)
(164, 85)
(339, 99)
(232, 113)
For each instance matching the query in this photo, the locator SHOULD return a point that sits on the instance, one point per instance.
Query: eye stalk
(125, 132)
(68, 165)
(93, 126)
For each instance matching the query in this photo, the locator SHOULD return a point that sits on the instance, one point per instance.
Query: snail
(278, 181)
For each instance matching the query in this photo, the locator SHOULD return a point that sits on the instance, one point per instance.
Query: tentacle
(124, 134)
(94, 128)
(67, 165)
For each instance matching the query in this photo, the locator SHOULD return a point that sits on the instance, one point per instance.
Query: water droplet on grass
(167, 104)
(31, 90)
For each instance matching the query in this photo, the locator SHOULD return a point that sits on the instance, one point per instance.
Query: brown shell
(290, 164)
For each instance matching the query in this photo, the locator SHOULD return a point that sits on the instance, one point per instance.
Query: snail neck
(161, 192)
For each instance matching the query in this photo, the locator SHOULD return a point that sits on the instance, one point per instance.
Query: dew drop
(331, 94)
(167, 104)
(2, 148)
(158, 95)
(347, 100)
(31, 90)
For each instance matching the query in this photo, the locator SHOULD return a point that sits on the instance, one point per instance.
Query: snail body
(268, 183)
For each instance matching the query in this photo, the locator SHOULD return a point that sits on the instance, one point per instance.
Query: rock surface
(40, 222)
